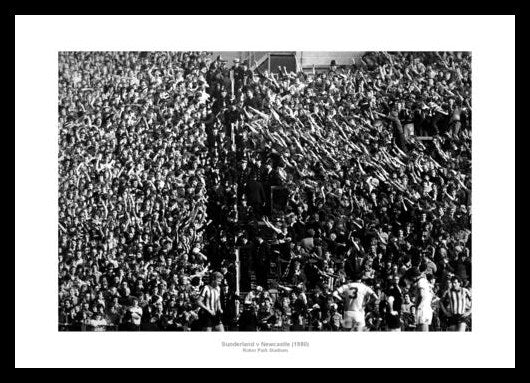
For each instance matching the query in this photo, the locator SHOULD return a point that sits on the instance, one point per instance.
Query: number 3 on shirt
(353, 294)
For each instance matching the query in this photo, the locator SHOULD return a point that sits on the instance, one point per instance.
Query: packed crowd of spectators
(174, 165)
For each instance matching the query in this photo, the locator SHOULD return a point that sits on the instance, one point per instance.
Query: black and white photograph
(265, 191)
(311, 197)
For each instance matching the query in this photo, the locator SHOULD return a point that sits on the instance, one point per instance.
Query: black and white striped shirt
(211, 297)
(457, 301)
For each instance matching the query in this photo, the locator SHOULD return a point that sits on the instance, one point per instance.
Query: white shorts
(354, 319)
(424, 315)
